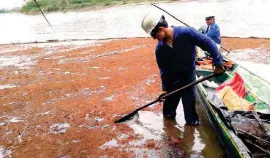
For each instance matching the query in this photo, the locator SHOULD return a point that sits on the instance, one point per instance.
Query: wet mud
(61, 100)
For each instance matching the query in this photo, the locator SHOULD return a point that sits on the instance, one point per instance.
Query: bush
(107, 3)
(30, 5)
(80, 1)
(52, 8)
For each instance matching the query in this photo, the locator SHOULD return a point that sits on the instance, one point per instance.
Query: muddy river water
(187, 141)
(238, 18)
(65, 96)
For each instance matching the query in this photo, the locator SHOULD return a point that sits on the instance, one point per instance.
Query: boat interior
(244, 97)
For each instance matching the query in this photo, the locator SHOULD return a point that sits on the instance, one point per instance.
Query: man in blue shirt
(175, 56)
(213, 30)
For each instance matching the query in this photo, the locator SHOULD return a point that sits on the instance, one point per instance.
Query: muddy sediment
(62, 99)
(245, 43)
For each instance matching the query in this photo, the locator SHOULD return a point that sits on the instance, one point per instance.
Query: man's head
(210, 20)
(155, 25)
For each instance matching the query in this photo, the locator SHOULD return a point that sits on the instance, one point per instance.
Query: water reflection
(179, 140)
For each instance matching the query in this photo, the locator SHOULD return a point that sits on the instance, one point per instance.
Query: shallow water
(179, 140)
(235, 17)
(200, 141)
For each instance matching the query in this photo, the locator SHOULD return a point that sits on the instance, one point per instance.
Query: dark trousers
(188, 99)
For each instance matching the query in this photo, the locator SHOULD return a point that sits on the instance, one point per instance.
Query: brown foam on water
(48, 93)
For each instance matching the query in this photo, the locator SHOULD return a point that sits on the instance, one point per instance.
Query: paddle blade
(126, 117)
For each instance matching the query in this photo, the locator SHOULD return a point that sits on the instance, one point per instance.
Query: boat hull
(222, 132)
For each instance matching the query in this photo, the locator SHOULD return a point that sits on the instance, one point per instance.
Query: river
(236, 18)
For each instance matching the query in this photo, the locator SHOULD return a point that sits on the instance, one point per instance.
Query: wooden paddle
(130, 115)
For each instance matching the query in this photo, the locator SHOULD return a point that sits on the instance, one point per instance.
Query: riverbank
(79, 5)
(60, 100)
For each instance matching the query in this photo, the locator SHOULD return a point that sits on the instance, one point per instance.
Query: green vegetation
(61, 5)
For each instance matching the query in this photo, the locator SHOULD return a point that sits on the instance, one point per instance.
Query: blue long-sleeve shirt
(179, 59)
(214, 33)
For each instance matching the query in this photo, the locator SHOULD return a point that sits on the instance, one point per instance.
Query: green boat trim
(235, 151)
(233, 145)
(252, 73)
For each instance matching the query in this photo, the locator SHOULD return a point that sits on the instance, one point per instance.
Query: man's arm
(161, 62)
(206, 44)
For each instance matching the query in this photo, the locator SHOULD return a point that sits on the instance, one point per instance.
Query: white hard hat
(150, 21)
